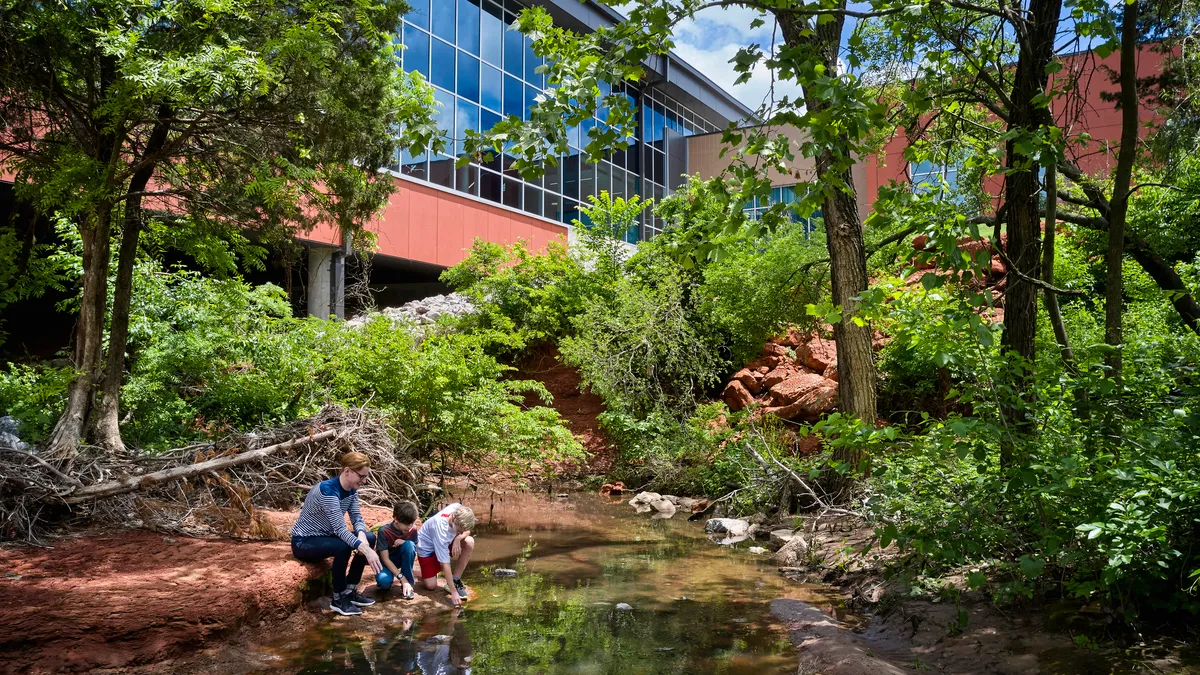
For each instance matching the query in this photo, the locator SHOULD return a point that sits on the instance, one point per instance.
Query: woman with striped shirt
(321, 532)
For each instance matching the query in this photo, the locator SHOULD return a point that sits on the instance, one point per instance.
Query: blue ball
(384, 579)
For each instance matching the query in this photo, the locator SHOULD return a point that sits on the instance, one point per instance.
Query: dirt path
(111, 599)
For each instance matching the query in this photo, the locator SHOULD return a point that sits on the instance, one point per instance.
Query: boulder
(794, 551)
(612, 488)
(502, 572)
(780, 538)
(737, 396)
(757, 550)
(685, 503)
(817, 354)
(795, 387)
(749, 379)
(727, 530)
(663, 507)
(624, 607)
(831, 372)
(10, 434)
(728, 526)
(778, 375)
(820, 400)
(644, 501)
(773, 349)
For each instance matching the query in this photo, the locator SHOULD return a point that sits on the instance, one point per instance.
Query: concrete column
(320, 281)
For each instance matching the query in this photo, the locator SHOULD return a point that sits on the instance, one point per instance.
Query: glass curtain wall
(482, 71)
(784, 194)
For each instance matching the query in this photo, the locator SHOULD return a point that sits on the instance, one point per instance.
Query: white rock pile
(423, 312)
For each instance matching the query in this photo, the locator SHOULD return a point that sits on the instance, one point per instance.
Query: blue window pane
(468, 77)
(647, 124)
(573, 136)
(672, 120)
(514, 48)
(416, 50)
(656, 125)
(491, 41)
(491, 90)
(419, 14)
(487, 120)
(512, 96)
(442, 21)
(443, 65)
(468, 25)
(467, 117)
(445, 112)
(530, 95)
(531, 64)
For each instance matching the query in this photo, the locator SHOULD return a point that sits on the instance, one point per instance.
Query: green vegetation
(211, 356)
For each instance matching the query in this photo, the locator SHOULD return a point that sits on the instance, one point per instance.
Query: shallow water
(697, 607)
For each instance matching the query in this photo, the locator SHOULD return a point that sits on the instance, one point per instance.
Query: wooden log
(116, 487)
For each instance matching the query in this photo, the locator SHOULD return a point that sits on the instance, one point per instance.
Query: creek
(696, 607)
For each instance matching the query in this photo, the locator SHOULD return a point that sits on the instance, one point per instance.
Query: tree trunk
(1021, 209)
(844, 238)
(1049, 298)
(107, 413)
(89, 336)
(1114, 281)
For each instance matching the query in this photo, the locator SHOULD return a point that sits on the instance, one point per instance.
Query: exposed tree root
(214, 485)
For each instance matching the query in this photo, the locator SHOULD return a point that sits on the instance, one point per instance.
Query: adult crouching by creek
(321, 533)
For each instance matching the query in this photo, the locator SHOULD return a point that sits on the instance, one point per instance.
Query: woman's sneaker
(343, 605)
(360, 599)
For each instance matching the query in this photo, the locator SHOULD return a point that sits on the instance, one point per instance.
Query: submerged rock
(757, 550)
(624, 607)
(503, 572)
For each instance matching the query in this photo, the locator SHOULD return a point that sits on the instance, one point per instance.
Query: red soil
(114, 599)
(578, 409)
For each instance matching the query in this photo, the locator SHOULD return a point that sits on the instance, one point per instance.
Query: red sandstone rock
(737, 396)
(831, 372)
(997, 270)
(817, 354)
(819, 400)
(778, 375)
(794, 388)
(920, 241)
(772, 349)
(748, 380)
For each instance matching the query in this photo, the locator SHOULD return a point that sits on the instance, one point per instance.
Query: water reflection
(692, 607)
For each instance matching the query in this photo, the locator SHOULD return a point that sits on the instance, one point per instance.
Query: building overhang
(672, 75)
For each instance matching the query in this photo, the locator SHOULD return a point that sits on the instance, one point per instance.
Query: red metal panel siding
(1085, 113)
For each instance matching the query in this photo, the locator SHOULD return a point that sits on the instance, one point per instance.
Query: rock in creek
(757, 550)
(780, 538)
(623, 607)
(726, 531)
(792, 552)
(502, 572)
(642, 502)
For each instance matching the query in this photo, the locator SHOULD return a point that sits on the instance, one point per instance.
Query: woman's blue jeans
(317, 549)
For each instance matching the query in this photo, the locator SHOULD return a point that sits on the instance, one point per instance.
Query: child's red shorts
(429, 566)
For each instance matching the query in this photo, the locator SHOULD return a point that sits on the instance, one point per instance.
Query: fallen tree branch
(69, 479)
(132, 483)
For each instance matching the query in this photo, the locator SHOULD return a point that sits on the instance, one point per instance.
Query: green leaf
(1032, 566)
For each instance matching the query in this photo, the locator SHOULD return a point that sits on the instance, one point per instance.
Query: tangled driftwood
(216, 485)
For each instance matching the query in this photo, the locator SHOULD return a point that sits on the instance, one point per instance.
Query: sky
(710, 40)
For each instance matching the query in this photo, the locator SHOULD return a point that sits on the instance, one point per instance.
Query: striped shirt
(324, 513)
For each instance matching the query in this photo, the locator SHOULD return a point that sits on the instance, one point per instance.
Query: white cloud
(709, 42)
